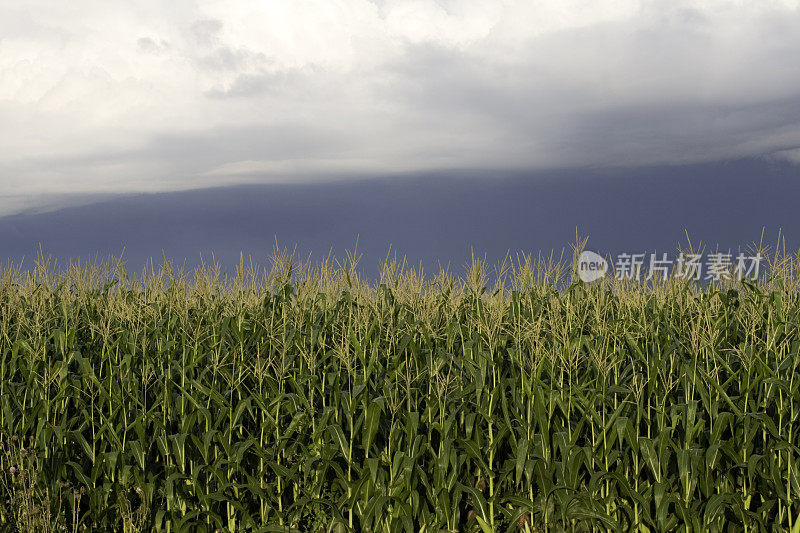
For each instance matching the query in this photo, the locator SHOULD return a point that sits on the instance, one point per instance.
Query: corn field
(302, 397)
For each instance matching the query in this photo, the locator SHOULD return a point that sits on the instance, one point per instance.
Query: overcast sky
(100, 97)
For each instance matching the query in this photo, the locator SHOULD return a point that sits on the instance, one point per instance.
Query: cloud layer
(108, 96)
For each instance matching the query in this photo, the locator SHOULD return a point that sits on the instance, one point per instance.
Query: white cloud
(105, 96)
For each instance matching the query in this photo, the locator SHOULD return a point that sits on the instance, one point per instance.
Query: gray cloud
(206, 32)
(177, 96)
(149, 45)
(226, 59)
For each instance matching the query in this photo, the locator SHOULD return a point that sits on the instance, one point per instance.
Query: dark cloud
(432, 217)
(631, 96)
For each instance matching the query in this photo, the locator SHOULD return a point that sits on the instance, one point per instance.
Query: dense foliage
(304, 398)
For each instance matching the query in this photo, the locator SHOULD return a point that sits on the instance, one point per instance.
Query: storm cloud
(106, 97)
